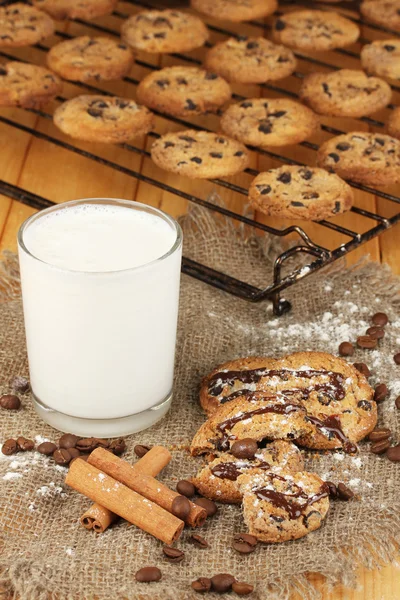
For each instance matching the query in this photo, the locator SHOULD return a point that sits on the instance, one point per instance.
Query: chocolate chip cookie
(103, 119)
(382, 12)
(345, 93)
(235, 10)
(273, 122)
(370, 158)
(294, 192)
(26, 85)
(199, 154)
(218, 480)
(278, 507)
(183, 91)
(164, 31)
(23, 25)
(84, 58)
(76, 9)
(314, 30)
(250, 60)
(382, 57)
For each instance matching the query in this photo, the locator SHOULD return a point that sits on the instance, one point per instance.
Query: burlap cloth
(44, 550)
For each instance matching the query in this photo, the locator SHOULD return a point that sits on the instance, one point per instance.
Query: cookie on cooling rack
(199, 154)
(164, 31)
(84, 58)
(382, 12)
(23, 25)
(26, 85)
(314, 30)
(183, 91)
(76, 9)
(250, 60)
(294, 192)
(278, 507)
(345, 93)
(382, 58)
(218, 480)
(103, 119)
(273, 122)
(235, 10)
(370, 158)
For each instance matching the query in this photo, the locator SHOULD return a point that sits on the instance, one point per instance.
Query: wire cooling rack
(351, 235)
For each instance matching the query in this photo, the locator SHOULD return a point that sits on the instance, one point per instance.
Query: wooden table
(57, 174)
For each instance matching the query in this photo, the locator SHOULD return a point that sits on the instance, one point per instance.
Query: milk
(100, 285)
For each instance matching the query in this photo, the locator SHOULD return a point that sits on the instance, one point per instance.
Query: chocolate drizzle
(333, 426)
(232, 470)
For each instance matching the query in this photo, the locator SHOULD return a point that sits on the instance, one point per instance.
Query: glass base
(102, 428)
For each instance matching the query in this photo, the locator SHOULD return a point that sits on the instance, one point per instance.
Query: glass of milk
(100, 287)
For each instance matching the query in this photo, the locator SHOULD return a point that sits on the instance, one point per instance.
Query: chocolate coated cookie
(235, 10)
(382, 57)
(26, 85)
(76, 9)
(382, 12)
(23, 25)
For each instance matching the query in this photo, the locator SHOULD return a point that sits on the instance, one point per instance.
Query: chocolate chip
(162, 83)
(362, 368)
(381, 142)
(244, 543)
(381, 391)
(282, 59)
(246, 104)
(336, 208)
(375, 332)
(20, 385)
(148, 574)
(389, 47)
(216, 154)
(346, 349)
(382, 433)
(380, 446)
(209, 506)
(333, 492)
(2, 70)
(242, 589)
(220, 140)
(169, 144)
(263, 189)
(140, 450)
(396, 358)
(245, 448)
(10, 402)
(211, 76)
(190, 105)
(117, 447)
(185, 488)
(367, 342)
(24, 444)
(186, 138)
(325, 87)
(343, 146)
(285, 178)
(123, 46)
(344, 493)
(306, 174)
(198, 541)
(201, 585)
(95, 112)
(280, 25)
(173, 554)
(68, 440)
(222, 582)
(9, 447)
(62, 456)
(121, 103)
(296, 203)
(196, 159)
(364, 405)
(239, 153)
(251, 45)
(334, 157)
(278, 114)
(181, 81)
(380, 319)
(393, 453)
(160, 35)
(265, 127)
(46, 448)
(181, 507)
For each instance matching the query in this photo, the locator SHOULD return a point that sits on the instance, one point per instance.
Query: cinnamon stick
(143, 483)
(98, 517)
(116, 497)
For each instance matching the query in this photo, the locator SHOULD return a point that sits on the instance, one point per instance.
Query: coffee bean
(362, 368)
(100, 443)
(382, 433)
(397, 402)
(344, 493)
(333, 492)
(380, 319)
(376, 332)
(68, 440)
(245, 448)
(380, 446)
(396, 358)
(346, 349)
(242, 589)
(366, 342)
(10, 402)
(381, 391)
(185, 488)
(201, 585)
(9, 447)
(74, 452)
(393, 453)
(46, 448)
(222, 582)
(141, 450)
(62, 456)
(244, 543)
(173, 554)
(148, 574)
(24, 444)
(181, 507)
(209, 506)
(20, 385)
(86, 444)
(117, 446)
(198, 541)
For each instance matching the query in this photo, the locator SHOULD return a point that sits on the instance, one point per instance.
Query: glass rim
(132, 204)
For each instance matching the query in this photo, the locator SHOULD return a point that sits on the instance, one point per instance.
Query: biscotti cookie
(103, 119)
(345, 93)
(235, 10)
(382, 57)
(218, 480)
(370, 158)
(382, 12)
(183, 91)
(295, 192)
(76, 9)
(164, 31)
(26, 85)
(84, 58)
(199, 154)
(23, 25)
(250, 60)
(393, 124)
(314, 30)
(278, 507)
(273, 122)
